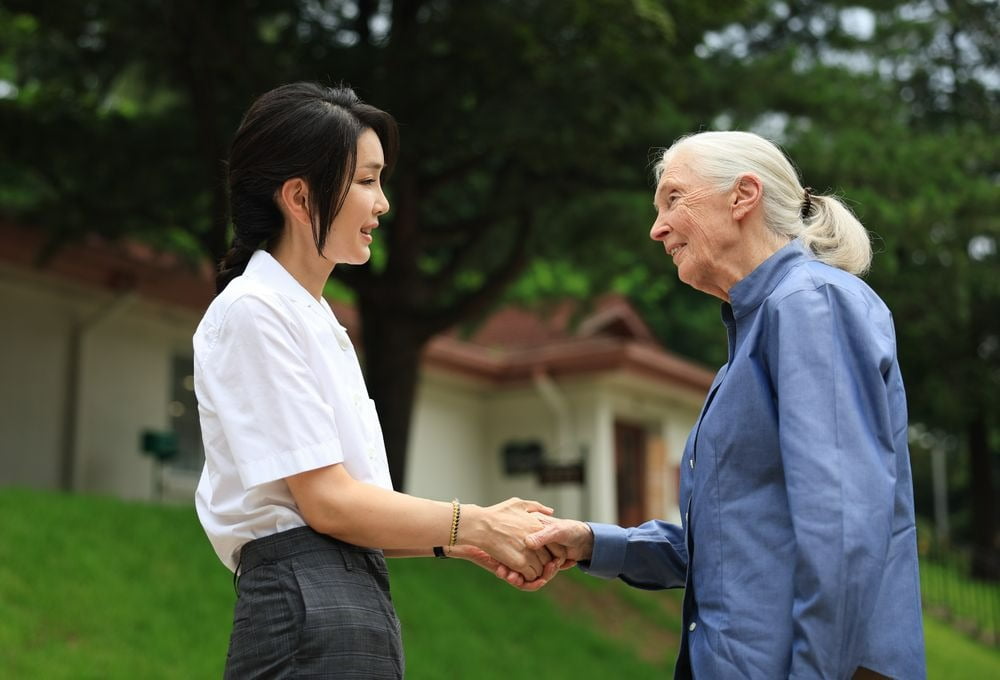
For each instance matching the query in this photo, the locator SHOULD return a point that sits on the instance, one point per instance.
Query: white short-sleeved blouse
(279, 392)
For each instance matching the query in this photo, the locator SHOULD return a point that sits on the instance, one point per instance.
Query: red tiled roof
(573, 356)
(516, 326)
(563, 338)
(163, 277)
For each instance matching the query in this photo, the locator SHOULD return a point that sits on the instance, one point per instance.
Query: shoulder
(244, 304)
(816, 290)
(814, 281)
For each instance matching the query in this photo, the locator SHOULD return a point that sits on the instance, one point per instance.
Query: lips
(673, 250)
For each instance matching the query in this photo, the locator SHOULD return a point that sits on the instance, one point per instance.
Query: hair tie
(806, 202)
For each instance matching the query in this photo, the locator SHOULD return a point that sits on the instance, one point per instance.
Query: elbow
(323, 499)
(320, 517)
(327, 515)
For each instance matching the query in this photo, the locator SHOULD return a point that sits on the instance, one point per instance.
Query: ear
(746, 195)
(293, 200)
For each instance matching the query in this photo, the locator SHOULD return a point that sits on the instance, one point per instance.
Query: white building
(589, 417)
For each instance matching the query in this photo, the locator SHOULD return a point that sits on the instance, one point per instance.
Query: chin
(361, 258)
(695, 284)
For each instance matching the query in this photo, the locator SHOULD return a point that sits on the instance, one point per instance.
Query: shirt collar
(270, 272)
(749, 292)
(265, 268)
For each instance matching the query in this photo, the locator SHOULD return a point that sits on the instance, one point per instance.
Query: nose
(381, 204)
(659, 230)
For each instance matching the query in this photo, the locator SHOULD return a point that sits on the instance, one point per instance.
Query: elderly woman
(798, 548)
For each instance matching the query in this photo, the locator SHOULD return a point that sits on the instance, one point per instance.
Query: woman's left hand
(487, 562)
(474, 555)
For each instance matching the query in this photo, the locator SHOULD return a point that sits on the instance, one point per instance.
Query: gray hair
(828, 228)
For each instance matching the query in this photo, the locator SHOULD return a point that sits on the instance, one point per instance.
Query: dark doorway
(630, 468)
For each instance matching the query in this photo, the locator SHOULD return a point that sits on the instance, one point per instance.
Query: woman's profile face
(351, 232)
(693, 221)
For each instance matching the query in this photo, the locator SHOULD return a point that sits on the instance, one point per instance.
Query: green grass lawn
(100, 588)
(972, 603)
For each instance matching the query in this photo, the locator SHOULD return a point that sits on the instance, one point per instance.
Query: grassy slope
(100, 588)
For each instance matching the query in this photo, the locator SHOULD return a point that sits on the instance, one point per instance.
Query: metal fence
(950, 594)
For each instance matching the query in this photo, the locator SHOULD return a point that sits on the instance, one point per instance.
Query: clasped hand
(522, 544)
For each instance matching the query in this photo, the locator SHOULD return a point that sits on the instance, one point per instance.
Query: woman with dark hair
(295, 495)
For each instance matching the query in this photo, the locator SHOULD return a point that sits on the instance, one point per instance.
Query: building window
(183, 409)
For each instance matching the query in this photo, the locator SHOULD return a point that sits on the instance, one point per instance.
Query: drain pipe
(78, 333)
(557, 402)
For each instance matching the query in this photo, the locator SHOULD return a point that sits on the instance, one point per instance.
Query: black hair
(304, 130)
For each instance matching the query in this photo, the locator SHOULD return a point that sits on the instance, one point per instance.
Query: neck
(304, 264)
(758, 245)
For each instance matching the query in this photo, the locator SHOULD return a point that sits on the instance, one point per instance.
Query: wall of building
(447, 435)
(522, 414)
(127, 389)
(461, 428)
(84, 371)
(34, 358)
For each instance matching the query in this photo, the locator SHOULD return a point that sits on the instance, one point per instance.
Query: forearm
(334, 503)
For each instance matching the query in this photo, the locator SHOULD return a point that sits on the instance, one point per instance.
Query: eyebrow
(371, 166)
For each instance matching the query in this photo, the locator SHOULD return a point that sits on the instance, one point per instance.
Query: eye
(368, 181)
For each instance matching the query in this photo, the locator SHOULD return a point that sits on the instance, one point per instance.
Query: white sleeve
(266, 396)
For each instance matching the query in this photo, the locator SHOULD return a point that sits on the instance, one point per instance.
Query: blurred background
(519, 331)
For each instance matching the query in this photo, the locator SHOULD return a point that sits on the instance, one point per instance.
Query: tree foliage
(901, 117)
(122, 113)
(527, 130)
(893, 106)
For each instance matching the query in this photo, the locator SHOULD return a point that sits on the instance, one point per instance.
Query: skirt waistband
(299, 541)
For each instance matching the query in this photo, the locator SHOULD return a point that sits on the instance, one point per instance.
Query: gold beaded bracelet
(456, 515)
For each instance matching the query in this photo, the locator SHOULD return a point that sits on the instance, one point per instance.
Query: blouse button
(342, 339)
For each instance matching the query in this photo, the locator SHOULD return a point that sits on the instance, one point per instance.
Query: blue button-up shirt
(798, 548)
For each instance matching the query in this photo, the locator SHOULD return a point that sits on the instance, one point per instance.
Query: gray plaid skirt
(310, 606)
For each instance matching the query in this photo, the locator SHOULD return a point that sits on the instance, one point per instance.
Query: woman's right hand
(500, 531)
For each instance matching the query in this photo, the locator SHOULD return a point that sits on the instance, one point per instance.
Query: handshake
(520, 542)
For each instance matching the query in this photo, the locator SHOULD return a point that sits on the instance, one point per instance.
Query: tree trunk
(392, 364)
(984, 561)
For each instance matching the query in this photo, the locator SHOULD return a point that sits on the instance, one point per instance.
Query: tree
(526, 124)
(894, 106)
(924, 174)
(509, 109)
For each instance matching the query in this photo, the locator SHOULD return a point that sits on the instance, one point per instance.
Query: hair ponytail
(257, 222)
(233, 264)
(836, 236)
(300, 130)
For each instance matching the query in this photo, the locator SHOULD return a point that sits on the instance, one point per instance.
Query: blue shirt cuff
(608, 558)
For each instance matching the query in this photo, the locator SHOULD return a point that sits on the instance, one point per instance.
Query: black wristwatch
(439, 552)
